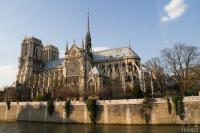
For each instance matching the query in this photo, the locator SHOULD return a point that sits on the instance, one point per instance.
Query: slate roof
(53, 64)
(113, 54)
(100, 56)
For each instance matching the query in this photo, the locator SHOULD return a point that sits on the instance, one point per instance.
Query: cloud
(100, 48)
(174, 10)
(7, 75)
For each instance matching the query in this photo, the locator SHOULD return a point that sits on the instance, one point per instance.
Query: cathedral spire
(83, 45)
(129, 43)
(67, 49)
(88, 22)
(74, 41)
(88, 39)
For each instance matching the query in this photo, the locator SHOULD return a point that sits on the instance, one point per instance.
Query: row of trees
(178, 68)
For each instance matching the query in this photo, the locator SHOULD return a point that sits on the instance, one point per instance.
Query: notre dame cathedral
(81, 70)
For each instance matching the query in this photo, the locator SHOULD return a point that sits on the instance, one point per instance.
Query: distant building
(81, 69)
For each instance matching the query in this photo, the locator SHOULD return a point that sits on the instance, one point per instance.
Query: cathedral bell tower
(30, 60)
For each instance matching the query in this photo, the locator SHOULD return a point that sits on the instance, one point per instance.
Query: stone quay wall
(127, 111)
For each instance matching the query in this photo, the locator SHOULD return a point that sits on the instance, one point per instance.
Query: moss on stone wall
(146, 109)
(179, 106)
(92, 108)
(169, 105)
(8, 104)
(67, 107)
(50, 107)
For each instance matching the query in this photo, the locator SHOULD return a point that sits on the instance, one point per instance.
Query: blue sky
(150, 25)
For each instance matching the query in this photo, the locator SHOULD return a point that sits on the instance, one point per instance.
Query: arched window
(124, 66)
(130, 67)
(103, 69)
(135, 69)
(116, 67)
(25, 50)
(136, 80)
(128, 89)
(127, 78)
(91, 87)
(110, 69)
(137, 63)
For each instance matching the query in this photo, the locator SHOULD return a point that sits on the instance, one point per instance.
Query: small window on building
(130, 67)
(116, 67)
(124, 66)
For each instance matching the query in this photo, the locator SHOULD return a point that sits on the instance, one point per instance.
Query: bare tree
(157, 74)
(193, 80)
(179, 60)
(196, 71)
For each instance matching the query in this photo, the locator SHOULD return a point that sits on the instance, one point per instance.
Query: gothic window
(128, 89)
(124, 66)
(73, 80)
(37, 51)
(135, 69)
(130, 67)
(74, 53)
(127, 78)
(137, 63)
(110, 68)
(111, 71)
(67, 80)
(25, 50)
(105, 80)
(34, 49)
(45, 55)
(73, 67)
(136, 79)
(103, 69)
(91, 87)
(116, 67)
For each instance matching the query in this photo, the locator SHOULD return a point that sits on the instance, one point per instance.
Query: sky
(150, 25)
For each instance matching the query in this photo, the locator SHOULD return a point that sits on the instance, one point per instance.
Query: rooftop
(50, 46)
(113, 54)
(104, 55)
(53, 64)
(32, 38)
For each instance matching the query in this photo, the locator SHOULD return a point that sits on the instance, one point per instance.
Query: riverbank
(109, 112)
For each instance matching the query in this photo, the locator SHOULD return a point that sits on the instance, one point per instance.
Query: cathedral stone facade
(82, 70)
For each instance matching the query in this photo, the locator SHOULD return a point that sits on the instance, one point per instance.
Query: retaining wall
(109, 112)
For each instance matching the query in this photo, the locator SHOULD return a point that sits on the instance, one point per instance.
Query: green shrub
(92, 108)
(137, 92)
(189, 93)
(47, 96)
(50, 107)
(146, 109)
(38, 98)
(8, 104)
(179, 106)
(169, 105)
(67, 108)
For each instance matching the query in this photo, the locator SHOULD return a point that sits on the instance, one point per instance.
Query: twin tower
(34, 55)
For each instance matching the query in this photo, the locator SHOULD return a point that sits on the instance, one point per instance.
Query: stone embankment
(109, 112)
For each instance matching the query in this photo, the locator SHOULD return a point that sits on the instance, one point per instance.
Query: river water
(33, 127)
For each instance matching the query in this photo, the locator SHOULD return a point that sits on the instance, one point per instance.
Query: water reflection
(32, 127)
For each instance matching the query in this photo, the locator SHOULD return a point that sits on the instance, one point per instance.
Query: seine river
(32, 127)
